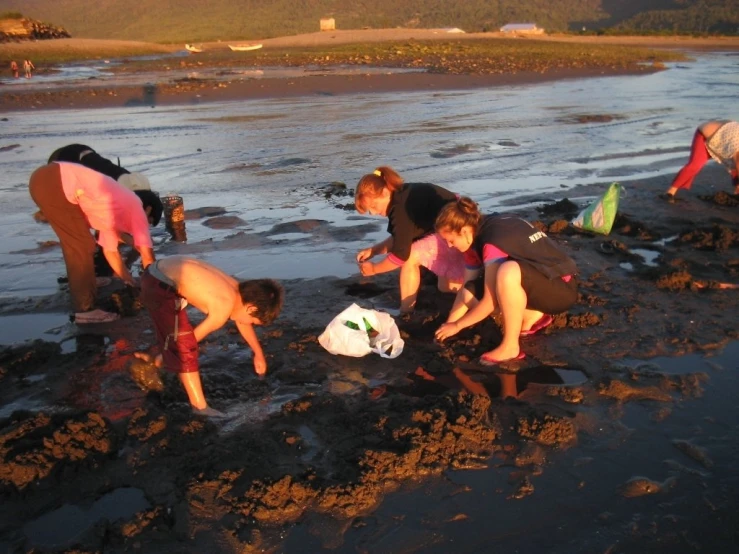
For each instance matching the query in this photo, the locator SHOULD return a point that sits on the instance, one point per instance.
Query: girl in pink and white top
(718, 139)
(411, 209)
(75, 199)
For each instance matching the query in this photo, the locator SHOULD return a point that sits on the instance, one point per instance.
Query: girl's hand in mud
(367, 269)
(447, 330)
(364, 255)
(260, 364)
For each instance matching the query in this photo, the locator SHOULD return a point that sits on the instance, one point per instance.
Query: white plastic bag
(354, 339)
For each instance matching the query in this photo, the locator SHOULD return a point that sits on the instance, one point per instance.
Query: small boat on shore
(193, 48)
(244, 47)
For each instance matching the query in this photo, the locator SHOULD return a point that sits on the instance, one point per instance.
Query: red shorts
(174, 331)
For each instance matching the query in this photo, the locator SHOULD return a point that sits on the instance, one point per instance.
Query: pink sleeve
(108, 239)
(140, 228)
(472, 260)
(491, 253)
(393, 258)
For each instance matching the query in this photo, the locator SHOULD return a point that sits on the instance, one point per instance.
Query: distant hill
(201, 20)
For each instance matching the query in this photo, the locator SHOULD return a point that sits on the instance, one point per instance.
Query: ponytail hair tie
(377, 172)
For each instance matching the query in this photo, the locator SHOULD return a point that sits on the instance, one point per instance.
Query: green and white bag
(600, 215)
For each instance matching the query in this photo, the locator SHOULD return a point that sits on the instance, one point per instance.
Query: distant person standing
(28, 67)
(14, 68)
(717, 139)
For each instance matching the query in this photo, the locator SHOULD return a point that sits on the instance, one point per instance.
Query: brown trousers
(71, 226)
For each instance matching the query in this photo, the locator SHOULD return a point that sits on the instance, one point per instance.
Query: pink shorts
(438, 257)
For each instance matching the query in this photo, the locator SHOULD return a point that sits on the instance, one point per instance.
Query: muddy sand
(617, 433)
(216, 75)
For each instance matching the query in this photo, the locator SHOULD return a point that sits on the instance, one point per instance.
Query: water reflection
(489, 383)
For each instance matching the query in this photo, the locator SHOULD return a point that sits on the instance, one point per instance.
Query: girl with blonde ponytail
(525, 276)
(411, 209)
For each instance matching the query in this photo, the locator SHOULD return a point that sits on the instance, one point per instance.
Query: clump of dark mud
(624, 225)
(576, 321)
(146, 375)
(694, 451)
(206, 211)
(17, 360)
(642, 486)
(126, 301)
(354, 460)
(675, 281)
(722, 198)
(34, 447)
(558, 226)
(718, 238)
(301, 226)
(224, 222)
(548, 429)
(336, 191)
(624, 392)
(564, 207)
(590, 118)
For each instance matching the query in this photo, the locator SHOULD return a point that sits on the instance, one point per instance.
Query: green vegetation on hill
(201, 20)
(698, 16)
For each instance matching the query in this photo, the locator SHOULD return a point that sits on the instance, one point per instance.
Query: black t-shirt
(501, 236)
(412, 213)
(84, 155)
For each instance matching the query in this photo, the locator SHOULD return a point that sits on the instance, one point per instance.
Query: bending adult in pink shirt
(76, 199)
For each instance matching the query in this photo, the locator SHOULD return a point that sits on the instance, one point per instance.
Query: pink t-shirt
(108, 206)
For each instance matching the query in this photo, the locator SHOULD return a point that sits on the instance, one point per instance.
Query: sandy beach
(162, 88)
(616, 434)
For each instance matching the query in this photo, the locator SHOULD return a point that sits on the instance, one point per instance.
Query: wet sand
(617, 433)
(373, 455)
(162, 89)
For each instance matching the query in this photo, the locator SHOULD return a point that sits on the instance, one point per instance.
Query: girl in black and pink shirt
(411, 209)
(526, 276)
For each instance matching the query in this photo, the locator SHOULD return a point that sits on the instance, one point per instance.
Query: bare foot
(209, 412)
(502, 354)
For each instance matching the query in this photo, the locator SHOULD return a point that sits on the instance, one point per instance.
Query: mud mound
(22, 359)
(32, 448)
(624, 225)
(722, 199)
(678, 280)
(624, 392)
(718, 238)
(547, 429)
(563, 207)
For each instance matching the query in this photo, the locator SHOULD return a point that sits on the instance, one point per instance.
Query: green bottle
(352, 325)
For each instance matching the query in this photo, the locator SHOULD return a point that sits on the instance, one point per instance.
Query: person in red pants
(717, 139)
(171, 284)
